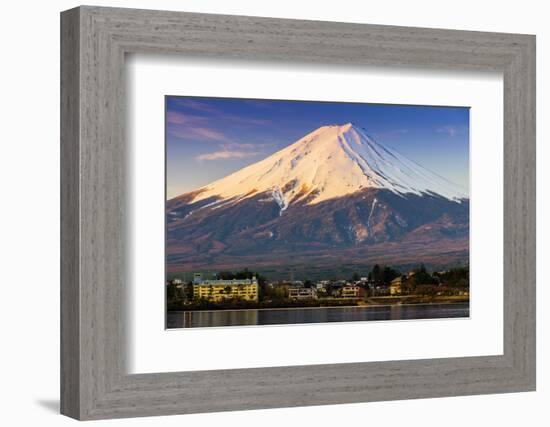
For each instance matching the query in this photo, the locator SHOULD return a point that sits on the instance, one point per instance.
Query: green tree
(244, 274)
(225, 275)
(422, 277)
(455, 277)
(383, 275)
(388, 274)
(376, 274)
(188, 291)
(171, 292)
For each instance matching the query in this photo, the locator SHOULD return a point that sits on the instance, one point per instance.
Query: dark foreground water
(202, 319)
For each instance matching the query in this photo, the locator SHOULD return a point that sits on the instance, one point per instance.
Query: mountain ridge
(314, 201)
(331, 161)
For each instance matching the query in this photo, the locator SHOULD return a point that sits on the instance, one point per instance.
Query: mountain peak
(344, 127)
(329, 162)
(347, 126)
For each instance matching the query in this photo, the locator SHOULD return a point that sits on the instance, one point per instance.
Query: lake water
(202, 319)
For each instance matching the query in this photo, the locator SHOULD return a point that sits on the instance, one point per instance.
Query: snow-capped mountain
(333, 190)
(332, 161)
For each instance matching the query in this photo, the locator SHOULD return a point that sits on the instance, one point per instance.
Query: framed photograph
(345, 212)
(260, 231)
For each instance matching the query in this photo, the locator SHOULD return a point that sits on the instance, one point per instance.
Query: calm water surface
(202, 319)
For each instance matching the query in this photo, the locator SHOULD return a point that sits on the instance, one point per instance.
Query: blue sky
(209, 138)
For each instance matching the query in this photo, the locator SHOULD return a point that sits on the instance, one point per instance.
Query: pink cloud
(198, 132)
(245, 120)
(210, 134)
(227, 154)
(177, 118)
(205, 108)
(241, 145)
(199, 126)
(195, 105)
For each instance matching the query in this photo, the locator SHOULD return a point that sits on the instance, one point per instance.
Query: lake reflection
(203, 319)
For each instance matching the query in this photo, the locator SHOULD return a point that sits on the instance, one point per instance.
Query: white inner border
(154, 349)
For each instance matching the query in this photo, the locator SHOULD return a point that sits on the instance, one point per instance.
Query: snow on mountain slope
(332, 161)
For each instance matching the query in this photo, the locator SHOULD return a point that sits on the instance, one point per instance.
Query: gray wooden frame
(94, 382)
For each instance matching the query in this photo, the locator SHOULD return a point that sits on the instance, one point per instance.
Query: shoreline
(319, 307)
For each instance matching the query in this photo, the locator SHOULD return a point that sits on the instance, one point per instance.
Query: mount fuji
(334, 200)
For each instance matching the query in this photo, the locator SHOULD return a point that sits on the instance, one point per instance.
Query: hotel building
(219, 290)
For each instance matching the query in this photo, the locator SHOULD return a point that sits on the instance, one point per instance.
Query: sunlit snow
(332, 161)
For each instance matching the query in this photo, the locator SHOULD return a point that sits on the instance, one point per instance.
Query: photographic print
(292, 212)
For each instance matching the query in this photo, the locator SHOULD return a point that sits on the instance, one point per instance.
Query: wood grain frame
(94, 42)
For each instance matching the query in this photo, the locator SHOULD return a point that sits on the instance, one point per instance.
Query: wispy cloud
(232, 150)
(183, 125)
(201, 107)
(451, 131)
(198, 120)
(201, 121)
(195, 105)
(227, 154)
(177, 118)
(210, 134)
(244, 120)
(198, 132)
(244, 145)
